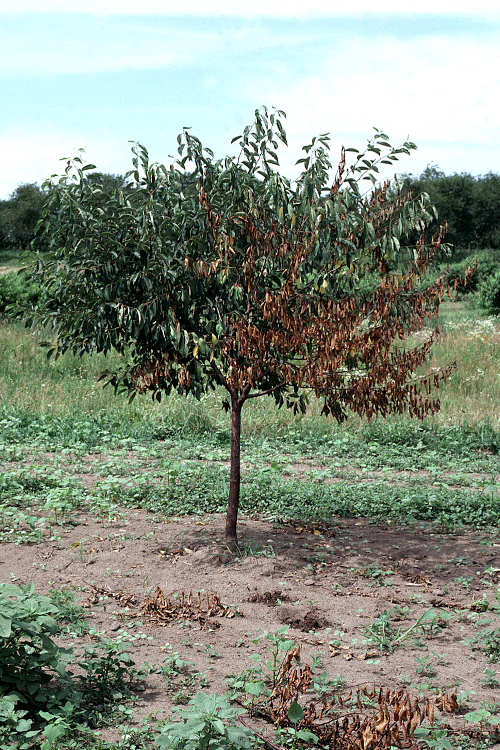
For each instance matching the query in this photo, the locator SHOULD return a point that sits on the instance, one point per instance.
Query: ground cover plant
(373, 548)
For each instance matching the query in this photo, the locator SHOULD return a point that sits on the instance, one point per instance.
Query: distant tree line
(469, 205)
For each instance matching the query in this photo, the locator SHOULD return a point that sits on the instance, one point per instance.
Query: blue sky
(100, 74)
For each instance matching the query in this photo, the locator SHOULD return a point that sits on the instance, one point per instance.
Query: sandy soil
(315, 580)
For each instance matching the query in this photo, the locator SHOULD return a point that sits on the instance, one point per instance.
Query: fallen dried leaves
(162, 609)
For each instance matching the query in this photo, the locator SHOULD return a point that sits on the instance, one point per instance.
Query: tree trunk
(234, 481)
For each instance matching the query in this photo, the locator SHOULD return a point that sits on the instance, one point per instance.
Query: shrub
(29, 659)
(15, 288)
(456, 273)
(489, 292)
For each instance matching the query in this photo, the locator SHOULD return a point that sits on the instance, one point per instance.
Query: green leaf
(5, 626)
(254, 687)
(295, 712)
(52, 731)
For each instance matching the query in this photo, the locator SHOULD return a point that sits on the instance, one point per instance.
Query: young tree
(239, 278)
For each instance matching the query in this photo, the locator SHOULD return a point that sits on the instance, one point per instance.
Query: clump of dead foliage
(364, 717)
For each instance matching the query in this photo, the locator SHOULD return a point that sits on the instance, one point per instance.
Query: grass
(9, 259)
(69, 388)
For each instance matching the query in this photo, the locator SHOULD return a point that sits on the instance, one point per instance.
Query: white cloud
(276, 9)
(439, 90)
(431, 90)
(33, 157)
(57, 45)
(110, 48)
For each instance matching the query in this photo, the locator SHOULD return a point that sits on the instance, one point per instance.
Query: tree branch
(269, 390)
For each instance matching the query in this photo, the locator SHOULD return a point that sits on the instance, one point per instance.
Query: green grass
(69, 389)
(10, 258)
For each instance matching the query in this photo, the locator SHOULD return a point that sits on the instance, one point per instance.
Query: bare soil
(316, 580)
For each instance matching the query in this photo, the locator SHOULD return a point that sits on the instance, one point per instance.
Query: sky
(101, 74)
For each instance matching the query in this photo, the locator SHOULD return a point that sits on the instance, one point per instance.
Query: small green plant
(251, 549)
(207, 722)
(378, 576)
(465, 581)
(490, 678)
(384, 635)
(172, 664)
(481, 605)
(180, 682)
(31, 661)
(433, 738)
(296, 714)
(483, 717)
(108, 674)
(279, 644)
(209, 650)
(381, 632)
(425, 666)
(70, 616)
(259, 680)
(324, 685)
(487, 641)
(248, 683)
(29, 658)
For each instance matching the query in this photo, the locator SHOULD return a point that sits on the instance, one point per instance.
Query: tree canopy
(19, 216)
(243, 279)
(22, 211)
(469, 205)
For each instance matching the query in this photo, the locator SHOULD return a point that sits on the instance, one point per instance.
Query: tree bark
(234, 481)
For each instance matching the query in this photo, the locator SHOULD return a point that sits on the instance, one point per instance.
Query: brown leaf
(367, 736)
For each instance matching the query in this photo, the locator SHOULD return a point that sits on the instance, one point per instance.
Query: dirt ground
(326, 584)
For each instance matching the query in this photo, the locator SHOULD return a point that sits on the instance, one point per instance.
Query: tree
(241, 279)
(470, 206)
(19, 216)
(108, 183)
(486, 210)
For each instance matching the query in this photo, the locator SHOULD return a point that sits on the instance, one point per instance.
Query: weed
(384, 635)
(465, 581)
(487, 641)
(482, 717)
(172, 664)
(425, 666)
(209, 650)
(325, 685)
(207, 722)
(30, 661)
(490, 678)
(378, 576)
(72, 617)
(433, 738)
(278, 644)
(295, 715)
(252, 549)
